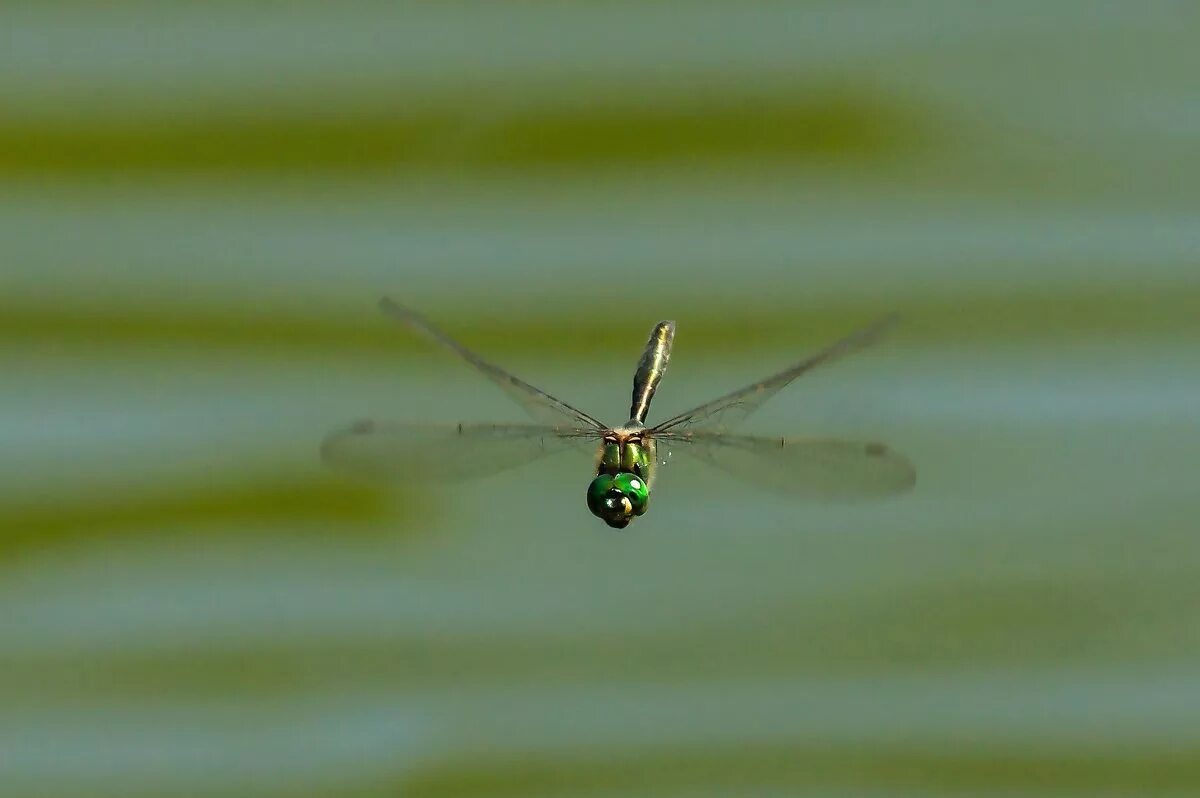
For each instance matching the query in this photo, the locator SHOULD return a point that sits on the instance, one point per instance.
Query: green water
(200, 205)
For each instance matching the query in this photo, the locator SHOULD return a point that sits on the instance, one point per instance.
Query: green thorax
(627, 452)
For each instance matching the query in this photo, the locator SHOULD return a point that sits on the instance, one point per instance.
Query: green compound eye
(596, 494)
(635, 488)
(616, 498)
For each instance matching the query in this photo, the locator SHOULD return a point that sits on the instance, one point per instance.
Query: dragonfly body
(627, 458)
(629, 455)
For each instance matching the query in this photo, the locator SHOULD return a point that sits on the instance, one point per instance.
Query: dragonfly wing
(540, 405)
(730, 409)
(808, 468)
(394, 451)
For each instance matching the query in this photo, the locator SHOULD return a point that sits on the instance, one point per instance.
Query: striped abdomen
(650, 369)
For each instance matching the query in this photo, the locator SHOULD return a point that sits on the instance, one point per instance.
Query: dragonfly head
(617, 498)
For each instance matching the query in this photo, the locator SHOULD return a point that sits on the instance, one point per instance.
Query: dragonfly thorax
(627, 449)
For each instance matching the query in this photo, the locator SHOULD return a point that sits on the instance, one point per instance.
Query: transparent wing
(732, 408)
(391, 451)
(811, 468)
(540, 405)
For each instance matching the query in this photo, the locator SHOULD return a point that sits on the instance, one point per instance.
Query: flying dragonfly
(627, 456)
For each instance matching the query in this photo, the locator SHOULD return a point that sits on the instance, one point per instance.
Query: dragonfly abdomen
(651, 369)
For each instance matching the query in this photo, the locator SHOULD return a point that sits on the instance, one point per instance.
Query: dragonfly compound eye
(607, 501)
(634, 488)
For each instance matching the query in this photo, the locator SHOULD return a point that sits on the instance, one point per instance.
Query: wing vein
(531, 398)
(748, 399)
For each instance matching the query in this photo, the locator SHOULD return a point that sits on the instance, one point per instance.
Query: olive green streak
(709, 327)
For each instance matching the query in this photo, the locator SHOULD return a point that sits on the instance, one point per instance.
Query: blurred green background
(200, 204)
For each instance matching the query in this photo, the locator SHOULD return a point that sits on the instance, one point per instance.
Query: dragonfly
(627, 457)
